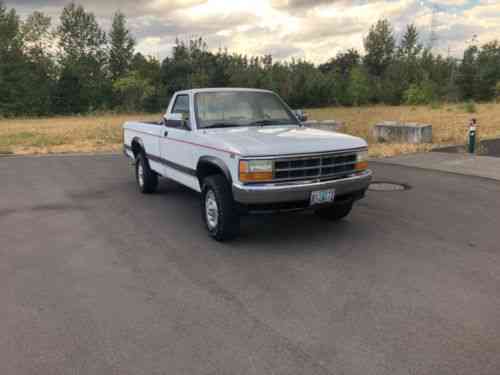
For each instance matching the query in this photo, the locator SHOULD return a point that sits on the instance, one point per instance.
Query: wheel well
(206, 169)
(136, 148)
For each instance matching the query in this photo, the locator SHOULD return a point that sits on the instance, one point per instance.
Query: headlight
(361, 161)
(256, 170)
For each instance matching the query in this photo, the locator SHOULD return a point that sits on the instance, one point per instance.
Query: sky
(312, 29)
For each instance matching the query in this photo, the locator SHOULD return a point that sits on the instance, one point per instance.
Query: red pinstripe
(204, 146)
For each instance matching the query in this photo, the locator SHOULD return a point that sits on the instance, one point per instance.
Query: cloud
(299, 4)
(313, 29)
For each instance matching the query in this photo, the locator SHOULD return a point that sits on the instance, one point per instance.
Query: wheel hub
(140, 174)
(211, 210)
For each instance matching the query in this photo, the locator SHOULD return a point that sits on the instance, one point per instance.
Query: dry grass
(103, 133)
(449, 123)
(64, 134)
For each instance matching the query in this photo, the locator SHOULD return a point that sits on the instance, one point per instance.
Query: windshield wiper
(264, 123)
(220, 125)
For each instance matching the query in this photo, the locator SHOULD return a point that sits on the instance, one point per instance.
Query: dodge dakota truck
(245, 151)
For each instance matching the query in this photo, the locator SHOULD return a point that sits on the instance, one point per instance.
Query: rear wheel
(336, 212)
(147, 179)
(218, 208)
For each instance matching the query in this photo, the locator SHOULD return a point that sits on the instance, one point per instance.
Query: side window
(181, 104)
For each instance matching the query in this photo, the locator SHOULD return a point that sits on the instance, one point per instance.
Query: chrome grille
(317, 166)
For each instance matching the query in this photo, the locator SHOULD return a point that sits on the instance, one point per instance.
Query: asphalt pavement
(458, 163)
(96, 278)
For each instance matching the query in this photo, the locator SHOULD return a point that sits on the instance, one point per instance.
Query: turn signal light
(361, 166)
(256, 176)
(256, 170)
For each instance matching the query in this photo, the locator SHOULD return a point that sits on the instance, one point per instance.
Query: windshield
(240, 108)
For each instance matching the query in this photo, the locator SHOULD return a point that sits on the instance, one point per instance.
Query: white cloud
(314, 29)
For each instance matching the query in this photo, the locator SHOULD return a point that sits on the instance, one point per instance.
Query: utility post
(472, 135)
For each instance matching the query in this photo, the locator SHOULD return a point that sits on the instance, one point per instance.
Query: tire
(335, 212)
(218, 208)
(147, 179)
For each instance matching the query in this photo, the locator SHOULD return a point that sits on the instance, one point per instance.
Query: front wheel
(335, 212)
(147, 179)
(218, 209)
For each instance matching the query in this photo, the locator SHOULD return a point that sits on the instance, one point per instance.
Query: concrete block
(392, 131)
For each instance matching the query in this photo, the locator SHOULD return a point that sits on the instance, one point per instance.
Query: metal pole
(472, 136)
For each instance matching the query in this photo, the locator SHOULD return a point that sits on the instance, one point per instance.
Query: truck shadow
(283, 232)
(300, 231)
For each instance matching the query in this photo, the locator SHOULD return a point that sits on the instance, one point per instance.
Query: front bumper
(295, 192)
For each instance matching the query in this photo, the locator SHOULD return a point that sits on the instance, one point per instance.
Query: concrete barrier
(392, 131)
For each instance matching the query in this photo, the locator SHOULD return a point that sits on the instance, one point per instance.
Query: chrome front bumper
(295, 192)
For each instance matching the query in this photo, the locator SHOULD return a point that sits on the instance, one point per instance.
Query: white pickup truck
(246, 151)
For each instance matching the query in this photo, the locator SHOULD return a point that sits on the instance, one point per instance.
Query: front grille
(317, 166)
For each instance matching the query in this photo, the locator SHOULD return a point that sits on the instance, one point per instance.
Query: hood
(282, 140)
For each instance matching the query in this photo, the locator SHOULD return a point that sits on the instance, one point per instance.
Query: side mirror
(174, 117)
(300, 114)
(181, 118)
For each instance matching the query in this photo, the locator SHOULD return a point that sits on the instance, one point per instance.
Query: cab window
(181, 104)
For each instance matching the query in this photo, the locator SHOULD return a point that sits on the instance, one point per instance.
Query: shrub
(132, 91)
(470, 106)
(436, 105)
(497, 91)
(422, 93)
(358, 89)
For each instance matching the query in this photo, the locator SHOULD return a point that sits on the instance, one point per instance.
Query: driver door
(176, 147)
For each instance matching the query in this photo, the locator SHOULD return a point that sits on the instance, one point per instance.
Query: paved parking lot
(98, 279)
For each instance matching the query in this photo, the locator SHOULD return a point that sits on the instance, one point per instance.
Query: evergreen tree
(468, 73)
(122, 47)
(38, 42)
(379, 45)
(410, 48)
(84, 84)
(12, 63)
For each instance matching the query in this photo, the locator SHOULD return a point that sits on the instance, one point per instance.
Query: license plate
(322, 196)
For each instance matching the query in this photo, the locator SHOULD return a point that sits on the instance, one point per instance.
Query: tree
(339, 69)
(343, 63)
(37, 35)
(410, 48)
(79, 35)
(379, 45)
(408, 55)
(13, 68)
(122, 47)
(488, 66)
(132, 90)
(10, 37)
(359, 87)
(421, 93)
(82, 57)
(149, 69)
(38, 42)
(468, 73)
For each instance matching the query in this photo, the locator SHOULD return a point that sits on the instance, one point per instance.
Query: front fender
(217, 162)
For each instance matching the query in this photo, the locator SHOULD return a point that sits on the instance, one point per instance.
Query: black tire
(335, 212)
(149, 181)
(224, 223)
